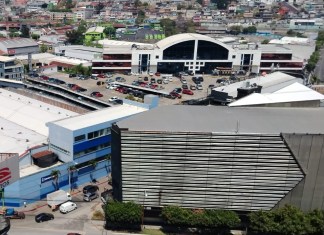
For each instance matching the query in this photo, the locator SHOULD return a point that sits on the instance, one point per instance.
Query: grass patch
(152, 232)
(98, 215)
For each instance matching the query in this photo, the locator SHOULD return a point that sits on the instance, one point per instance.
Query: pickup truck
(13, 214)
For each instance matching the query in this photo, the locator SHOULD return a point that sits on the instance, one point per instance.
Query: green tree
(35, 36)
(140, 17)
(236, 29)
(24, 32)
(291, 220)
(43, 48)
(265, 41)
(123, 215)
(315, 220)
(221, 4)
(110, 32)
(169, 27)
(249, 30)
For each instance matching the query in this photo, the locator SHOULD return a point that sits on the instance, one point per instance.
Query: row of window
(91, 150)
(92, 135)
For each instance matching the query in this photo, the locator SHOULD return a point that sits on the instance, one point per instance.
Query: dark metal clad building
(218, 157)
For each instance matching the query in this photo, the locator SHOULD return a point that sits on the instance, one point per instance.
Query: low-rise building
(95, 34)
(10, 68)
(18, 46)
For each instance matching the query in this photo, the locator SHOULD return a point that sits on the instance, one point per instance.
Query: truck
(55, 199)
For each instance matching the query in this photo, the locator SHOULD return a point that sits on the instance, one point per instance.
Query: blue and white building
(71, 139)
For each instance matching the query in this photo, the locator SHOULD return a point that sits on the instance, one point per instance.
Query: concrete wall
(309, 152)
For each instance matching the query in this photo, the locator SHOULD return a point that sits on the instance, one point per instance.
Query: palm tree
(71, 170)
(55, 174)
(93, 163)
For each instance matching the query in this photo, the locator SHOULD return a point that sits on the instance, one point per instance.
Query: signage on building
(46, 178)
(9, 169)
(11, 51)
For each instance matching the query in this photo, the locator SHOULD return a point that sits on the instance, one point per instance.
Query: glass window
(79, 138)
(211, 51)
(180, 51)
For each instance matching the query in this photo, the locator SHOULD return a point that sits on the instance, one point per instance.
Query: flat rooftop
(270, 83)
(32, 169)
(22, 121)
(100, 116)
(220, 119)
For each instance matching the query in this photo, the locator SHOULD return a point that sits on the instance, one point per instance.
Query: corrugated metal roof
(187, 118)
(19, 42)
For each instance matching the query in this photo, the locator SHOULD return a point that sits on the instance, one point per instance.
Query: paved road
(78, 221)
(319, 70)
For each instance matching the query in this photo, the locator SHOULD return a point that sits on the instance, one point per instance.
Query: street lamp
(145, 195)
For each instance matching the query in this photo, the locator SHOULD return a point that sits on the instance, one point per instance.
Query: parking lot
(100, 85)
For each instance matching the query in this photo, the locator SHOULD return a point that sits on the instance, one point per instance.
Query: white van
(67, 207)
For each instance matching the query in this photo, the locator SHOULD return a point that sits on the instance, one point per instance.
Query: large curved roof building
(193, 52)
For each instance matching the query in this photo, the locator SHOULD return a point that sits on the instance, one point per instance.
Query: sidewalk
(102, 183)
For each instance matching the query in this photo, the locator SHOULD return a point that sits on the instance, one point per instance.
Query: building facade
(10, 68)
(221, 158)
(191, 52)
(82, 141)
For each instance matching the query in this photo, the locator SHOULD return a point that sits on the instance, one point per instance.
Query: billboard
(9, 169)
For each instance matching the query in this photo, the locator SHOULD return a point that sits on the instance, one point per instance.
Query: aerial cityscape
(162, 117)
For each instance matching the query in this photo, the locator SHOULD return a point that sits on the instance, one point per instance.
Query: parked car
(81, 89)
(185, 86)
(112, 86)
(146, 79)
(159, 81)
(44, 77)
(112, 99)
(153, 80)
(58, 81)
(68, 207)
(192, 87)
(109, 80)
(118, 101)
(13, 214)
(176, 94)
(44, 217)
(200, 78)
(165, 81)
(151, 73)
(96, 94)
(94, 77)
(101, 76)
(211, 86)
(199, 86)
(70, 85)
(72, 75)
(120, 79)
(88, 197)
(187, 92)
(220, 80)
(184, 81)
(158, 74)
(135, 83)
(178, 90)
(90, 188)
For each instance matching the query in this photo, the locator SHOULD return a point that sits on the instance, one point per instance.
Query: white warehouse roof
(293, 93)
(23, 118)
(100, 116)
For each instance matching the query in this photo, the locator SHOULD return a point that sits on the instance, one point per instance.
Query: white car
(165, 81)
(112, 86)
(184, 81)
(199, 87)
(113, 99)
(151, 73)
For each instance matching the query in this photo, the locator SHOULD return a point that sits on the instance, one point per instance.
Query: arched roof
(174, 39)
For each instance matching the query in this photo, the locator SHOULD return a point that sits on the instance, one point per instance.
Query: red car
(143, 84)
(44, 77)
(187, 92)
(120, 89)
(101, 76)
(153, 86)
(75, 87)
(157, 74)
(175, 94)
(96, 94)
